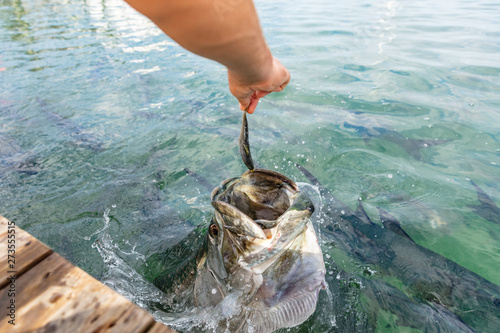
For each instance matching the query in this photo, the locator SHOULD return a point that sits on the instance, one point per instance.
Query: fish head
(257, 218)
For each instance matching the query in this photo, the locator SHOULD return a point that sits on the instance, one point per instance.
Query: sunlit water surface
(394, 103)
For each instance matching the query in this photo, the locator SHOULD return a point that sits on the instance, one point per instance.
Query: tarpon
(12, 157)
(411, 146)
(79, 136)
(440, 286)
(260, 250)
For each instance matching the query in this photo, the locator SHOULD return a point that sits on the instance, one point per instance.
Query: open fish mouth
(261, 195)
(261, 213)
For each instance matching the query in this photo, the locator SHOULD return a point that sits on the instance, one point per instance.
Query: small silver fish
(244, 143)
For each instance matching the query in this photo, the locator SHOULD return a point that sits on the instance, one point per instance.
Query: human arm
(227, 31)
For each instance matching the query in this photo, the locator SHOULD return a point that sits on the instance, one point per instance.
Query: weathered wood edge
(28, 251)
(52, 295)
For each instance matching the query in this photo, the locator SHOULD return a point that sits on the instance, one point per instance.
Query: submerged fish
(442, 287)
(260, 251)
(411, 146)
(79, 136)
(12, 157)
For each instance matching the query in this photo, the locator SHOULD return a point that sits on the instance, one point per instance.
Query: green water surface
(394, 102)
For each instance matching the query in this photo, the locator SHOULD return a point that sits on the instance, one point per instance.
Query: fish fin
(308, 175)
(205, 183)
(361, 213)
(487, 208)
(325, 192)
(483, 198)
(391, 223)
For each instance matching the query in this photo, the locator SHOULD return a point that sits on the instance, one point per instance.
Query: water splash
(106, 225)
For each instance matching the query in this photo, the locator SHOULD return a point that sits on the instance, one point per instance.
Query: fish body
(411, 146)
(260, 248)
(244, 144)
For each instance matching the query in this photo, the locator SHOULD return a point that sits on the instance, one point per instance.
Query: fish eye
(214, 231)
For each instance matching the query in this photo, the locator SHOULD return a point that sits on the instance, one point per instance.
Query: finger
(244, 104)
(253, 105)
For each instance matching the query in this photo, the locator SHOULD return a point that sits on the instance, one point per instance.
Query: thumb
(244, 104)
(253, 104)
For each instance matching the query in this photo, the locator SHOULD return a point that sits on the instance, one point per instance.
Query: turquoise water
(393, 102)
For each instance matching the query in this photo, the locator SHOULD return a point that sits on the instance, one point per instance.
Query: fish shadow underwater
(413, 148)
(421, 289)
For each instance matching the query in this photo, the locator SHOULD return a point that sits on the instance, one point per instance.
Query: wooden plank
(55, 296)
(160, 328)
(133, 320)
(28, 252)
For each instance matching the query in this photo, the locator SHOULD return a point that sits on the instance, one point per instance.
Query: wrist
(253, 69)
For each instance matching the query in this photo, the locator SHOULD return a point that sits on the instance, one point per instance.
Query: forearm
(227, 31)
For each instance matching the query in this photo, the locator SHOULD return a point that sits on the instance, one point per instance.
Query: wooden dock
(40, 291)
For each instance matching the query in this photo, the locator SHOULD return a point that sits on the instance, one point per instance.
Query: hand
(249, 93)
